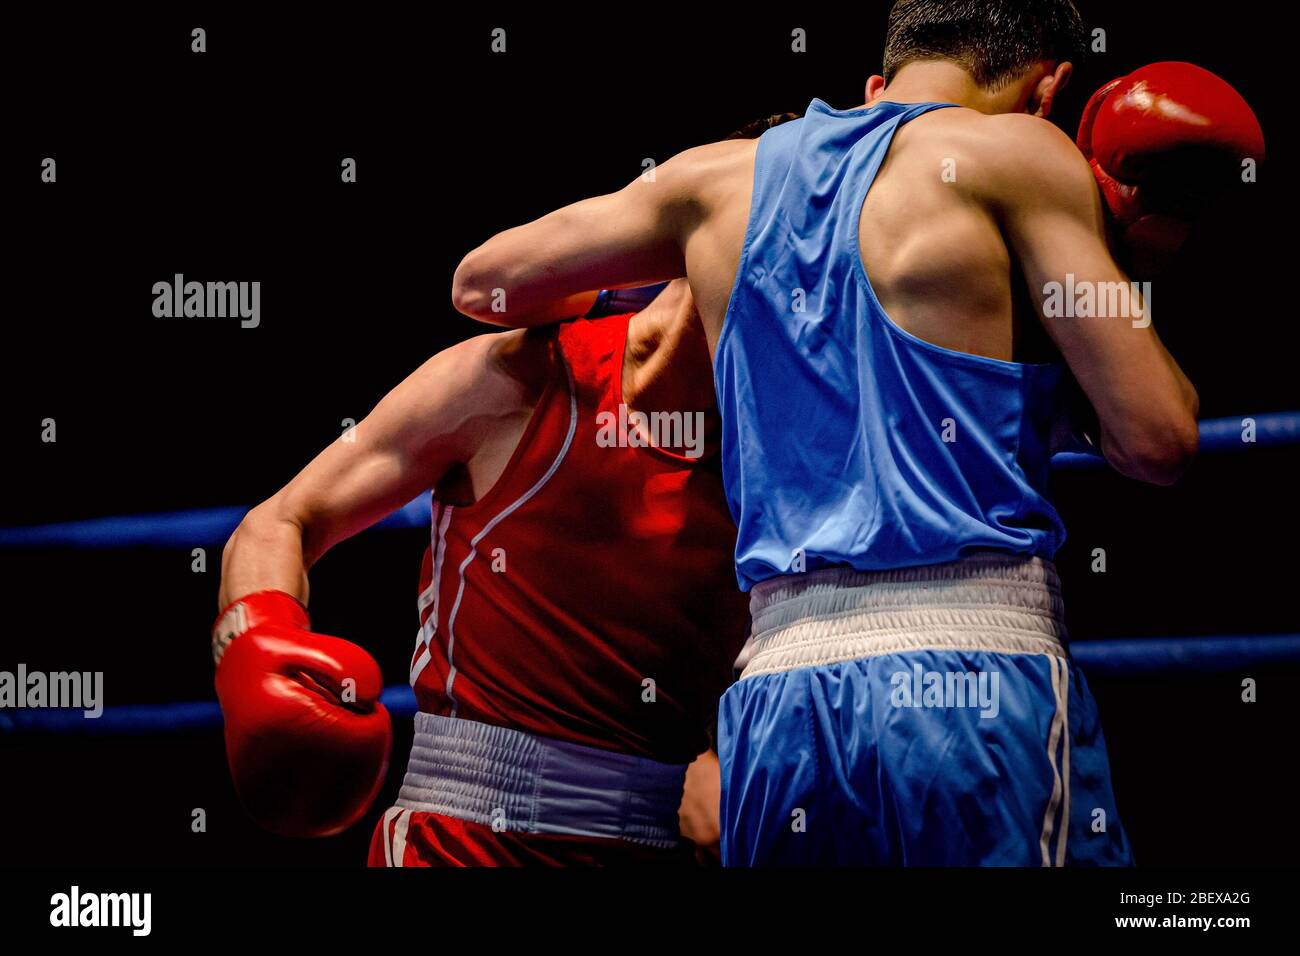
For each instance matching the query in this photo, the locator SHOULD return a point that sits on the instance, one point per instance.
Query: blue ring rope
(198, 527)
(207, 527)
(1126, 657)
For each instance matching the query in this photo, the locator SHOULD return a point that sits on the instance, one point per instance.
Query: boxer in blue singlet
(871, 283)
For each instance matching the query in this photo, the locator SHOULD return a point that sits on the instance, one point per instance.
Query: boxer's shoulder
(524, 357)
(703, 174)
(494, 374)
(998, 158)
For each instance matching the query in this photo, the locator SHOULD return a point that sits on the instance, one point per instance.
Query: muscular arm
(433, 420)
(631, 237)
(1048, 206)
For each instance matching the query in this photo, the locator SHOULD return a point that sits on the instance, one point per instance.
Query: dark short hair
(760, 126)
(995, 41)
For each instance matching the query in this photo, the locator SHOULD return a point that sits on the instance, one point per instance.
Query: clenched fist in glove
(1162, 142)
(306, 736)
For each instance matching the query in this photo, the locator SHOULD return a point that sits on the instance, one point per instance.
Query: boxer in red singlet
(578, 607)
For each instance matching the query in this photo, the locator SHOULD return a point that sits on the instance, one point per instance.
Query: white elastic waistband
(986, 602)
(527, 784)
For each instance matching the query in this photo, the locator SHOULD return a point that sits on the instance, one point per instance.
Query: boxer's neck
(942, 81)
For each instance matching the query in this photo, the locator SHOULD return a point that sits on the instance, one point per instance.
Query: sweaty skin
(960, 260)
(454, 424)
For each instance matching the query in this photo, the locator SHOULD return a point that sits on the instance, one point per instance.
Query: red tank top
(585, 573)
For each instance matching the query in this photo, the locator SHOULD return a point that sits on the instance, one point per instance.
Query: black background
(225, 166)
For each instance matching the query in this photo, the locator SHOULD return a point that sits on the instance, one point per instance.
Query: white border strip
(496, 520)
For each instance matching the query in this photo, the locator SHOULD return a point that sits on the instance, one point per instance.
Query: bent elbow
(471, 294)
(1161, 456)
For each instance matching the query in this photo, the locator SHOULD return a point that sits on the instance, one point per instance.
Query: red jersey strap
(594, 349)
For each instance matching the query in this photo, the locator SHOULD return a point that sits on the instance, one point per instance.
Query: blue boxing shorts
(924, 716)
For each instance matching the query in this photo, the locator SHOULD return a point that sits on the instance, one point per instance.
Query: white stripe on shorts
(998, 603)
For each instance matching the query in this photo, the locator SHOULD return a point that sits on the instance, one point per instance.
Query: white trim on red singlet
(497, 519)
(438, 551)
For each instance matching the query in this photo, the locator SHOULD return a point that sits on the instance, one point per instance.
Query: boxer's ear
(875, 86)
(1048, 87)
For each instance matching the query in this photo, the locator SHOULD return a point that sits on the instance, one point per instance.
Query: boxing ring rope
(1126, 657)
(193, 528)
(1219, 436)
(205, 527)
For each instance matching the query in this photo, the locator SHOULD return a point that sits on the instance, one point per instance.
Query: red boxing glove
(306, 736)
(1162, 142)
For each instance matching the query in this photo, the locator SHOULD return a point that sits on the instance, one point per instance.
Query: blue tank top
(847, 441)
